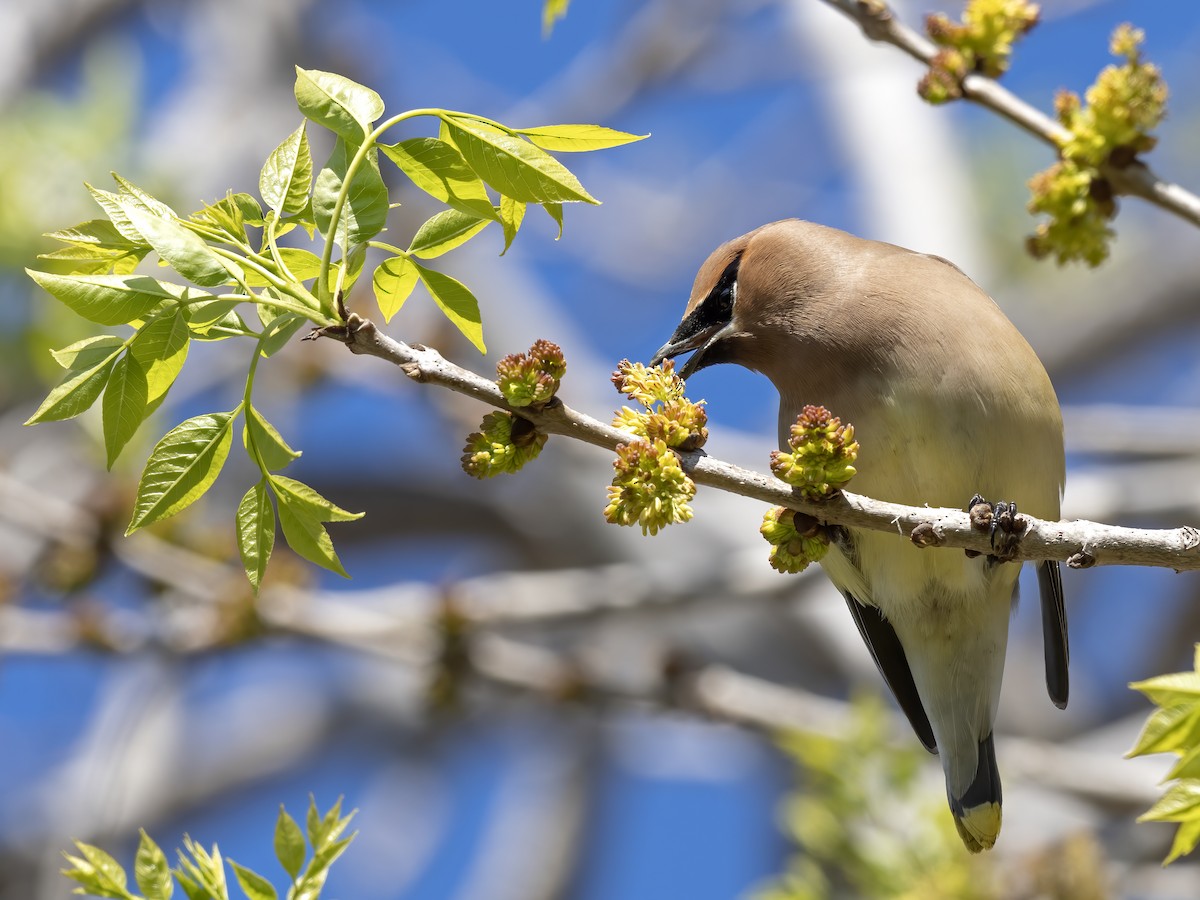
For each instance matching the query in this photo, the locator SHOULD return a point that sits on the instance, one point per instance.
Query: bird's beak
(684, 340)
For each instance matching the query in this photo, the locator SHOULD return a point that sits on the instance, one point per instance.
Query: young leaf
(89, 371)
(304, 264)
(99, 873)
(230, 215)
(555, 211)
(289, 843)
(282, 327)
(301, 512)
(111, 205)
(112, 299)
(151, 871)
(552, 11)
(286, 177)
(130, 193)
(205, 869)
(303, 499)
(457, 302)
(578, 138)
(88, 352)
(1168, 729)
(393, 282)
(94, 247)
(124, 408)
(1186, 838)
(437, 168)
(161, 346)
(182, 467)
(184, 250)
(514, 166)
(256, 532)
(252, 884)
(339, 104)
(512, 213)
(353, 265)
(269, 443)
(444, 231)
(366, 207)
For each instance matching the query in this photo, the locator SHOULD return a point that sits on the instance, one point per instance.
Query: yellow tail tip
(979, 826)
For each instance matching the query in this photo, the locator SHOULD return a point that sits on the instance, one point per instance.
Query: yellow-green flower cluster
(532, 379)
(1124, 104)
(669, 416)
(822, 454)
(650, 487)
(503, 444)
(982, 43)
(794, 544)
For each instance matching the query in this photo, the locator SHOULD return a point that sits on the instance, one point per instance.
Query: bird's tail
(977, 811)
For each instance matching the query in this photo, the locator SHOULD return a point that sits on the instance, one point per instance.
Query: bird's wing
(888, 654)
(1054, 632)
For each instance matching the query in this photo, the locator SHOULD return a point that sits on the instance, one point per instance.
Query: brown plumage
(947, 400)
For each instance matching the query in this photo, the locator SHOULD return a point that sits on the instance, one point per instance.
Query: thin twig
(1080, 544)
(879, 23)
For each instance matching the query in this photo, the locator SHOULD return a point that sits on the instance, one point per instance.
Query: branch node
(1084, 559)
(925, 535)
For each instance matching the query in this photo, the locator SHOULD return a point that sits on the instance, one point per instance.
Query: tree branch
(1080, 544)
(879, 24)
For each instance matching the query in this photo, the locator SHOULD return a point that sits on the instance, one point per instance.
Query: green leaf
(512, 214)
(256, 532)
(282, 327)
(364, 214)
(95, 233)
(301, 512)
(184, 250)
(393, 282)
(289, 843)
(88, 352)
(339, 104)
(182, 467)
(353, 265)
(130, 193)
(92, 259)
(514, 166)
(111, 204)
(1168, 729)
(112, 299)
(99, 873)
(578, 138)
(271, 447)
(125, 401)
(151, 871)
(304, 264)
(304, 500)
(286, 177)
(201, 317)
(1172, 689)
(161, 346)
(254, 885)
(1186, 838)
(1179, 804)
(456, 302)
(552, 12)
(1188, 765)
(205, 869)
(444, 231)
(555, 211)
(88, 372)
(437, 168)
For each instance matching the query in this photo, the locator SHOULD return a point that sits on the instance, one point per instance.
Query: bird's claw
(1002, 523)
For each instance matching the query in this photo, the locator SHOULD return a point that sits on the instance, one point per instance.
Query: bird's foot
(1002, 523)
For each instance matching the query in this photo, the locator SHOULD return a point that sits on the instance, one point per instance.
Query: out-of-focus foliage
(1175, 728)
(866, 825)
(201, 873)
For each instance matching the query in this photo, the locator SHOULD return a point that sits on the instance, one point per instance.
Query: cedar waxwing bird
(948, 402)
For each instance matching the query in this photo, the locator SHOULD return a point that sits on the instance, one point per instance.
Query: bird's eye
(717, 307)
